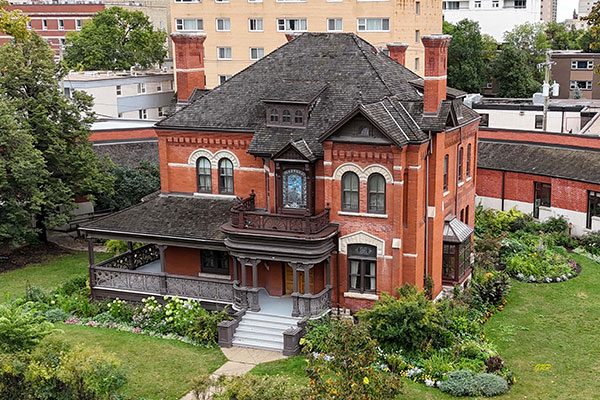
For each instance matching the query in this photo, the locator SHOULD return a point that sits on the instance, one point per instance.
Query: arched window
(461, 151)
(225, 176)
(468, 160)
(298, 117)
(376, 194)
(286, 117)
(350, 185)
(204, 178)
(274, 115)
(446, 173)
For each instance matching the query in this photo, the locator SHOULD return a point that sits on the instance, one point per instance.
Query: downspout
(562, 122)
(426, 208)
(503, 185)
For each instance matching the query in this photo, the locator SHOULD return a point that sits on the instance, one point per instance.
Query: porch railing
(132, 260)
(245, 216)
(245, 298)
(156, 283)
(312, 305)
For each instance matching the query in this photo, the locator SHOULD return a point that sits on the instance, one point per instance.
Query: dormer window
(274, 115)
(298, 118)
(286, 117)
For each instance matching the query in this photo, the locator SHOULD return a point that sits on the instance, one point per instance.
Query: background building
(585, 7)
(54, 20)
(129, 95)
(238, 33)
(574, 69)
(498, 16)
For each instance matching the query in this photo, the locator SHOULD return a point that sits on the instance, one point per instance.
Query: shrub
(55, 370)
(412, 322)
(539, 264)
(350, 367)
(487, 256)
(121, 310)
(490, 288)
(438, 365)
(55, 315)
(20, 328)
(204, 326)
(494, 222)
(561, 239)
(120, 247)
(317, 332)
(591, 243)
(253, 387)
(555, 225)
(466, 383)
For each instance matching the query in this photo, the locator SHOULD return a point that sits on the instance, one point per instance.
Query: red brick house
(319, 177)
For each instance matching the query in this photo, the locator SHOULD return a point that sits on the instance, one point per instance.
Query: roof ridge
(404, 116)
(371, 64)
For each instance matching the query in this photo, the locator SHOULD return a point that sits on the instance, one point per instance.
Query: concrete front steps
(262, 331)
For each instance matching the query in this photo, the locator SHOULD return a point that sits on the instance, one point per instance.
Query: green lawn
(157, 369)
(554, 324)
(47, 275)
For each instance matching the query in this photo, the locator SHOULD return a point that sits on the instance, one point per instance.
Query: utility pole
(547, 65)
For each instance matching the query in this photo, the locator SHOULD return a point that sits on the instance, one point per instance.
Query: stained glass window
(294, 189)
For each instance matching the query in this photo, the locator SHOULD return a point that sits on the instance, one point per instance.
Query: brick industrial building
(543, 174)
(54, 20)
(321, 176)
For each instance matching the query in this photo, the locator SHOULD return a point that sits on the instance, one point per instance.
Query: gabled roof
(580, 164)
(333, 73)
(301, 148)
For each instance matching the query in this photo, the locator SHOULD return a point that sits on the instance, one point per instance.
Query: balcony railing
(132, 260)
(245, 216)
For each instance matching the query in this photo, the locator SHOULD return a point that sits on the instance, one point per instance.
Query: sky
(565, 9)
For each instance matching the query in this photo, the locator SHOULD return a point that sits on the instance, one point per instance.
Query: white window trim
(45, 25)
(221, 1)
(61, 28)
(288, 30)
(335, 30)
(375, 30)
(217, 25)
(189, 30)
(256, 59)
(256, 30)
(224, 59)
(290, 1)
(255, 1)
(362, 214)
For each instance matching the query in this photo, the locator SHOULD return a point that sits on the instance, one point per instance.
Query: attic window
(364, 131)
(286, 117)
(298, 117)
(274, 116)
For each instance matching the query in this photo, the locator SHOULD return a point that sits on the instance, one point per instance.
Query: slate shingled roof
(455, 231)
(578, 164)
(342, 70)
(195, 218)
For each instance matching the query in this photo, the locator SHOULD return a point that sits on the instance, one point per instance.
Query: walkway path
(240, 361)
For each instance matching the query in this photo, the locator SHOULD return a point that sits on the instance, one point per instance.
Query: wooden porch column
(295, 277)
(92, 263)
(163, 268)
(328, 271)
(306, 279)
(243, 266)
(235, 269)
(130, 255)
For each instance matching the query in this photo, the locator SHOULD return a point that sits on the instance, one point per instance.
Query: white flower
(429, 382)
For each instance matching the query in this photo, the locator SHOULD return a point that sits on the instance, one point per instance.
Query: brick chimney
(398, 52)
(436, 65)
(189, 63)
(291, 36)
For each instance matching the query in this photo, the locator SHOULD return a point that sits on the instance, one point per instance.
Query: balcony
(245, 216)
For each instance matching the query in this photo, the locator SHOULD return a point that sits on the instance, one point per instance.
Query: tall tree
(513, 73)
(58, 128)
(13, 23)
(561, 37)
(116, 39)
(593, 20)
(532, 41)
(467, 69)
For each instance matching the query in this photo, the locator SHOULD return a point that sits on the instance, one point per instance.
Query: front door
(289, 280)
(541, 197)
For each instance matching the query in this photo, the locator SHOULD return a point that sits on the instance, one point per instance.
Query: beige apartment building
(239, 32)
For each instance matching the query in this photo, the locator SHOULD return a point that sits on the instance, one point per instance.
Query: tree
(22, 173)
(561, 38)
(131, 184)
(467, 69)
(58, 129)
(593, 20)
(116, 39)
(13, 23)
(513, 73)
(532, 41)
